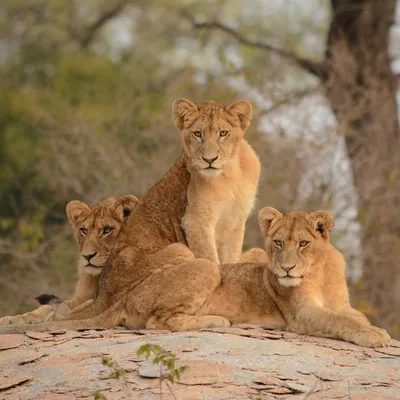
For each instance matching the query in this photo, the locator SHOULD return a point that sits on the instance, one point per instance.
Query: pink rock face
(11, 341)
(243, 362)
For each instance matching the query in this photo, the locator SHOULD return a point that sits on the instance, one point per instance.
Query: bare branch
(290, 98)
(313, 67)
(90, 31)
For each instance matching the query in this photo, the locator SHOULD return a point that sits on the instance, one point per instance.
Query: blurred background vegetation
(86, 90)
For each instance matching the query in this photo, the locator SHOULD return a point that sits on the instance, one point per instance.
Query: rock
(10, 382)
(31, 357)
(11, 341)
(40, 336)
(392, 351)
(242, 362)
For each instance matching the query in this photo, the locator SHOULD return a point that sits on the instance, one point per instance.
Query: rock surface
(242, 362)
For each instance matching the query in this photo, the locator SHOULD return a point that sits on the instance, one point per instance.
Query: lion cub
(305, 277)
(224, 173)
(95, 229)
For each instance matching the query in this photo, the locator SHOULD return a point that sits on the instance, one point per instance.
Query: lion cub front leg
(85, 291)
(230, 249)
(32, 317)
(200, 235)
(67, 308)
(338, 325)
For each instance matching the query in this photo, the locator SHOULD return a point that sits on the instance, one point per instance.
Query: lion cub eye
(83, 231)
(278, 243)
(107, 230)
(304, 243)
(223, 133)
(198, 134)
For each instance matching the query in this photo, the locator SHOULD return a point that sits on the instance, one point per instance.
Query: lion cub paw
(372, 337)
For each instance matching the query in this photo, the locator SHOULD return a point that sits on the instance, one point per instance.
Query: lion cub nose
(89, 256)
(287, 268)
(210, 160)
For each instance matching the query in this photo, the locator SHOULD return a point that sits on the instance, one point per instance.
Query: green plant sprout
(162, 358)
(116, 370)
(116, 373)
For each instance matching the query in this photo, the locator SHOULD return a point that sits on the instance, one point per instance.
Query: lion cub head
(211, 132)
(96, 229)
(295, 243)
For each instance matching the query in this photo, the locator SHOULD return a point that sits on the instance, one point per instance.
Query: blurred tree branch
(291, 98)
(89, 33)
(318, 69)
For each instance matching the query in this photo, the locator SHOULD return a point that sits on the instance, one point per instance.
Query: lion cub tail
(48, 299)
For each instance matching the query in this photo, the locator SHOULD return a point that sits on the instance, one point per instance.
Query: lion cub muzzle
(210, 159)
(288, 275)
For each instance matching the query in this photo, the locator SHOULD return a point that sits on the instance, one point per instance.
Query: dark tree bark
(361, 89)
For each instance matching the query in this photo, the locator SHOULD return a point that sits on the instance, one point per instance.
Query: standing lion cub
(224, 173)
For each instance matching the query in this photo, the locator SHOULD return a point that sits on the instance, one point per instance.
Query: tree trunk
(362, 92)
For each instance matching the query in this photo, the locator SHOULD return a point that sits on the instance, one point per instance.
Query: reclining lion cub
(95, 230)
(212, 188)
(305, 278)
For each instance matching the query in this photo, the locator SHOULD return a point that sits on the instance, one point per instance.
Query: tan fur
(89, 226)
(306, 278)
(222, 190)
(143, 282)
(40, 314)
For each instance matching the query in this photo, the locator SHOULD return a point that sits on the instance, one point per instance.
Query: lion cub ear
(243, 110)
(74, 210)
(125, 204)
(323, 222)
(181, 110)
(267, 217)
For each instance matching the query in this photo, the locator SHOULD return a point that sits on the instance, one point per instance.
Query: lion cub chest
(215, 218)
